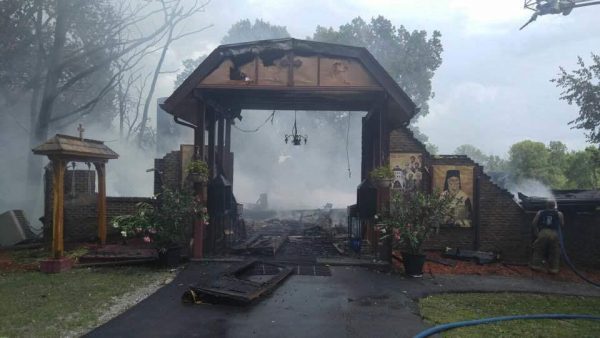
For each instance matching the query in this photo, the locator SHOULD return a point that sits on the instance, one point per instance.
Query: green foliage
(583, 169)
(473, 152)
(533, 160)
(529, 160)
(244, 31)
(414, 215)
(166, 222)
(198, 167)
(431, 148)
(489, 163)
(553, 165)
(582, 87)
(381, 173)
(189, 65)
(174, 217)
(411, 58)
(448, 308)
(495, 163)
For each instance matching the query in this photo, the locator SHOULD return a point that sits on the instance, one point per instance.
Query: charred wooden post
(211, 143)
(101, 170)
(221, 144)
(199, 134)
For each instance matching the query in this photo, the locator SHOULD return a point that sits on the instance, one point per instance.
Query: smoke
(297, 177)
(531, 188)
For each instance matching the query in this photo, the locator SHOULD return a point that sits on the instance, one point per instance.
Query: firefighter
(546, 225)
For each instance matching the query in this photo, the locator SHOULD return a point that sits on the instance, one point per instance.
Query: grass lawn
(447, 308)
(35, 304)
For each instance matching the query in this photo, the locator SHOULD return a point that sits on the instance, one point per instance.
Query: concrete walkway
(353, 302)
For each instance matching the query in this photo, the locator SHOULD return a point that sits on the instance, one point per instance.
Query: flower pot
(384, 248)
(197, 178)
(170, 257)
(413, 264)
(383, 183)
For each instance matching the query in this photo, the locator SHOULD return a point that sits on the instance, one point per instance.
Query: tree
(241, 31)
(491, 163)
(532, 160)
(583, 169)
(244, 31)
(496, 163)
(189, 65)
(411, 58)
(472, 152)
(582, 87)
(175, 12)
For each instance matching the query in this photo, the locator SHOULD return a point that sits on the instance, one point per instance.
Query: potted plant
(197, 171)
(167, 223)
(382, 176)
(174, 217)
(412, 218)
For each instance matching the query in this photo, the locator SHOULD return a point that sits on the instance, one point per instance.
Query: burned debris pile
(240, 284)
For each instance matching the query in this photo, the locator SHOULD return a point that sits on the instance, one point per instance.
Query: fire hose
(450, 326)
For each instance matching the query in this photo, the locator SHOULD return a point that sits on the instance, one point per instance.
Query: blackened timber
(298, 47)
(228, 155)
(232, 286)
(211, 142)
(293, 98)
(199, 133)
(221, 143)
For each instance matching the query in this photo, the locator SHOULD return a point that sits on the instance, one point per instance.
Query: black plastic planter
(413, 264)
(169, 258)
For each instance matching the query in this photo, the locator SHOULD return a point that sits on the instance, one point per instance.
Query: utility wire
(270, 117)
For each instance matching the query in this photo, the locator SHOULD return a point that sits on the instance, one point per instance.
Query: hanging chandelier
(294, 137)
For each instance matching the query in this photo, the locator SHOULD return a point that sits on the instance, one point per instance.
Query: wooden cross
(80, 129)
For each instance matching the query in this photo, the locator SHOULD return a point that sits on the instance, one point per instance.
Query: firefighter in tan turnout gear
(546, 225)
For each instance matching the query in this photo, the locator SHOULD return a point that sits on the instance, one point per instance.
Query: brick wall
(499, 222)
(502, 224)
(81, 209)
(581, 236)
(168, 171)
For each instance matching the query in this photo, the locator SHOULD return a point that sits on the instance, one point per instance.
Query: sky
(493, 88)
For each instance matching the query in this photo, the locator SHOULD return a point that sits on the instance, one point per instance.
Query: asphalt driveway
(352, 302)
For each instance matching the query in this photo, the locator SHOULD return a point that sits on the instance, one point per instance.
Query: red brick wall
(581, 236)
(501, 220)
(81, 210)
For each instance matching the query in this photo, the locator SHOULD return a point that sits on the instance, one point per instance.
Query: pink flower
(147, 239)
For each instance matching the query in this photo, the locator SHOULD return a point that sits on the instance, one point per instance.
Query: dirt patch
(499, 269)
(9, 264)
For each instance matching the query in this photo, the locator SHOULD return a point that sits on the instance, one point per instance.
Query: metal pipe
(183, 123)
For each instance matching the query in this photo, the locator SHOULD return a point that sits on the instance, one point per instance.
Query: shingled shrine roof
(71, 147)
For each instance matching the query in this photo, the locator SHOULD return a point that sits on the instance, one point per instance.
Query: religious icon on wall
(456, 181)
(408, 171)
